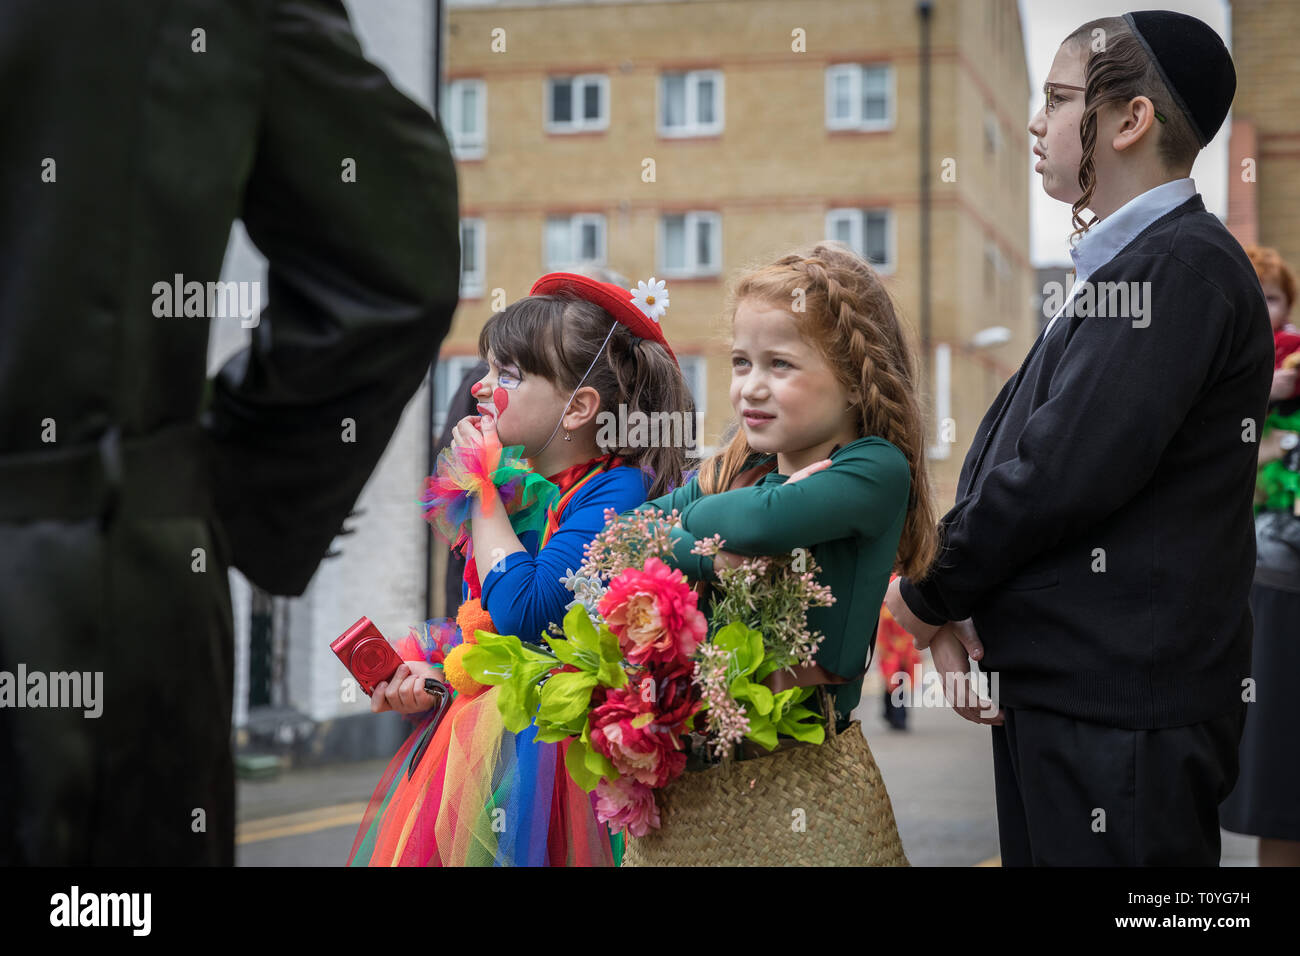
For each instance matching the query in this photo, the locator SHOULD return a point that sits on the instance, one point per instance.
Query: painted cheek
(500, 398)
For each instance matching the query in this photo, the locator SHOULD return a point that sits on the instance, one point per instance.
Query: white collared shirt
(1102, 242)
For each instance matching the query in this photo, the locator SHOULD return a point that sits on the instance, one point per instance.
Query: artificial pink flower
(628, 805)
(624, 731)
(654, 613)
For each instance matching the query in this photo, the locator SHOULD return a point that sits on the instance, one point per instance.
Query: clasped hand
(952, 647)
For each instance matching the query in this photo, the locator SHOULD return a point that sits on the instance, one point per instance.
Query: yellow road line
(306, 821)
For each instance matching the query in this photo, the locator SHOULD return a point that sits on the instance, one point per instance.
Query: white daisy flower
(651, 298)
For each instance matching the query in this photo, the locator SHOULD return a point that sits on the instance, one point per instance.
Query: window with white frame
(472, 246)
(695, 371)
(446, 381)
(690, 244)
(464, 115)
(574, 240)
(996, 270)
(996, 266)
(690, 104)
(992, 134)
(869, 232)
(859, 97)
(575, 104)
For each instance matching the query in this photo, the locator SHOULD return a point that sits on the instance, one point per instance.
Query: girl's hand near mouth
(474, 431)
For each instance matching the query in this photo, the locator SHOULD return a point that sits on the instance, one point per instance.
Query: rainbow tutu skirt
(479, 795)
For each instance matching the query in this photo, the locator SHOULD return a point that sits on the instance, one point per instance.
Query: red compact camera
(366, 654)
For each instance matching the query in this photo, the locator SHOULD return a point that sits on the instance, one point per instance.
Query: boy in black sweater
(1102, 543)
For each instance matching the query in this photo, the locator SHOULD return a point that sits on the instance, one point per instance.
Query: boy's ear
(1135, 119)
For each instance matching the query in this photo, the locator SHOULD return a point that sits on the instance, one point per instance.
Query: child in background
(1265, 802)
(899, 663)
(1279, 285)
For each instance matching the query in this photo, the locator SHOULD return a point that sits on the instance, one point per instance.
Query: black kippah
(1194, 64)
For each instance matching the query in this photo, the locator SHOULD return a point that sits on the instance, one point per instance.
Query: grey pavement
(939, 773)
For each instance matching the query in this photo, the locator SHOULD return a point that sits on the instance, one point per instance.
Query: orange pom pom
(472, 617)
(458, 677)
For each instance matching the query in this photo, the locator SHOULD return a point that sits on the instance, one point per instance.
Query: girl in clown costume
(523, 488)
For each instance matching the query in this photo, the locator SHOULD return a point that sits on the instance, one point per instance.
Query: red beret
(639, 309)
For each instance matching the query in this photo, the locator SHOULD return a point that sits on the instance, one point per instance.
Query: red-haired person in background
(899, 658)
(1279, 284)
(1265, 801)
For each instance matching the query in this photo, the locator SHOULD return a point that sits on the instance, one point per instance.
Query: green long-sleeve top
(850, 518)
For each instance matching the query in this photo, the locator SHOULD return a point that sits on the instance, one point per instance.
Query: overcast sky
(1046, 24)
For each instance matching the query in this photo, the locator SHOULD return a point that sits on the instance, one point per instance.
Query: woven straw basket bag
(802, 806)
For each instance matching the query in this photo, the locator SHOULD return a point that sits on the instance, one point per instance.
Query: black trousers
(1074, 793)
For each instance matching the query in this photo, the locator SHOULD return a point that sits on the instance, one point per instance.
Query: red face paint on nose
(500, 398)
(473, 389)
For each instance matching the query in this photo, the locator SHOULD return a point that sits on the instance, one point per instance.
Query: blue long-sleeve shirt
(523, 592)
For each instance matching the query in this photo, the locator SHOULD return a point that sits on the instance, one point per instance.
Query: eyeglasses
(1049, 91)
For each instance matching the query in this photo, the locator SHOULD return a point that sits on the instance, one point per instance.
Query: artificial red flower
(625, 731)
(673, 694)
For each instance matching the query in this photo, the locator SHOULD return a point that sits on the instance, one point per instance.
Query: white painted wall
(381, 571)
